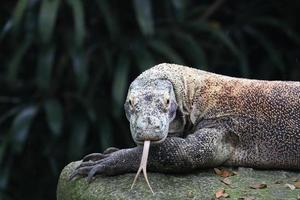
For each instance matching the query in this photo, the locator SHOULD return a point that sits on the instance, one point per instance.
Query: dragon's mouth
(153, 141)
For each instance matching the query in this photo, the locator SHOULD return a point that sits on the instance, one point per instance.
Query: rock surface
(198, 185)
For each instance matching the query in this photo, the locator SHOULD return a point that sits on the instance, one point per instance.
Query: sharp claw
(91, 175)
(80, 171)
(90, 163)
(85, 164)
(93, 171)
(94, 157)
(75, 173)
(110, 150)
(90, 178)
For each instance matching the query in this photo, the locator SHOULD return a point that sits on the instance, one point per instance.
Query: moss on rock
(198, 185)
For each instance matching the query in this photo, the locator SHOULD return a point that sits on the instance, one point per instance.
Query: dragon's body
(196, 119)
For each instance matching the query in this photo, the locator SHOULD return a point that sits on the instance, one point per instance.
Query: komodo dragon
(196, 119)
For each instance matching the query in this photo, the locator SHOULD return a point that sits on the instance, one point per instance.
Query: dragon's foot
(99, 156)
(113, 161)
(95, 163)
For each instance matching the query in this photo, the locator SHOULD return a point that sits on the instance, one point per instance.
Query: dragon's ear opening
(172, 110)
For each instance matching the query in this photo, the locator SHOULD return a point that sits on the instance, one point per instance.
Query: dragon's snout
(148, 128)
(148, 123)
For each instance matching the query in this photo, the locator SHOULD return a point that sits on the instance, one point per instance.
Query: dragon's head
(150, 107)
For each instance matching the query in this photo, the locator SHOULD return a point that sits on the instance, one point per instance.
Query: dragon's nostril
(157, 128)
(148, 123)
(157, 124)
(149, 120)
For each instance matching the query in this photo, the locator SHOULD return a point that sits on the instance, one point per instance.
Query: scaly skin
(206, 120)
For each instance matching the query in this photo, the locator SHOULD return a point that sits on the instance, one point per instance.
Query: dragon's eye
(131, 103)
(167, 104)
(168, 101)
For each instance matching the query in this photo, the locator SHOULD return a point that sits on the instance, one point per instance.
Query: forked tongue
(143, 165)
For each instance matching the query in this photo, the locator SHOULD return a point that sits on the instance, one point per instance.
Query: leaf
(227, 173)
(179, 7)
(274, 55)
(6, 28)
(221, 193)
(78, 17)
(290, 186)
(218, 171)
(80, 68)
(178, 4)
(3, 147)
(278, 182)
(54, 115)
(190, 194)
(10, 113)
(237, 52)
(44, 69)
(119, 87)
(21, 125)
(164, 49)
(78, 55)
(143, 12)
(226, 181)
(295, 179)
(105, 133)
(224, 172)
(144, 59)
(225, 40)
(109, 18)
(225, 195)
(4, 176)
(79, 130)
(18, 14)
(191, 48)
(235, 173)
(281, 25)
(258, 186)
(297, 185)
(90, 111)
(15, 61)
(47, 17)
(246, 198)
(53, 165)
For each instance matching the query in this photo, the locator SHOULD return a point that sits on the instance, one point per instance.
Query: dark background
(65, 66)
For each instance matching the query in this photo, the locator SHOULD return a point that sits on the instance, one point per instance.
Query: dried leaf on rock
(223, 172)
(278, 182)
(218, 171)
(292, 187)
(190, 194)
(258, 186)
(295, 179)
(297, 185)
(221, 193)
(226, 181)
(246, 198)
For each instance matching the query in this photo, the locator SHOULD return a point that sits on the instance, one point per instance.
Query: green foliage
(143, 11)
(66, 67)
(54, 116)
(20, 127)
